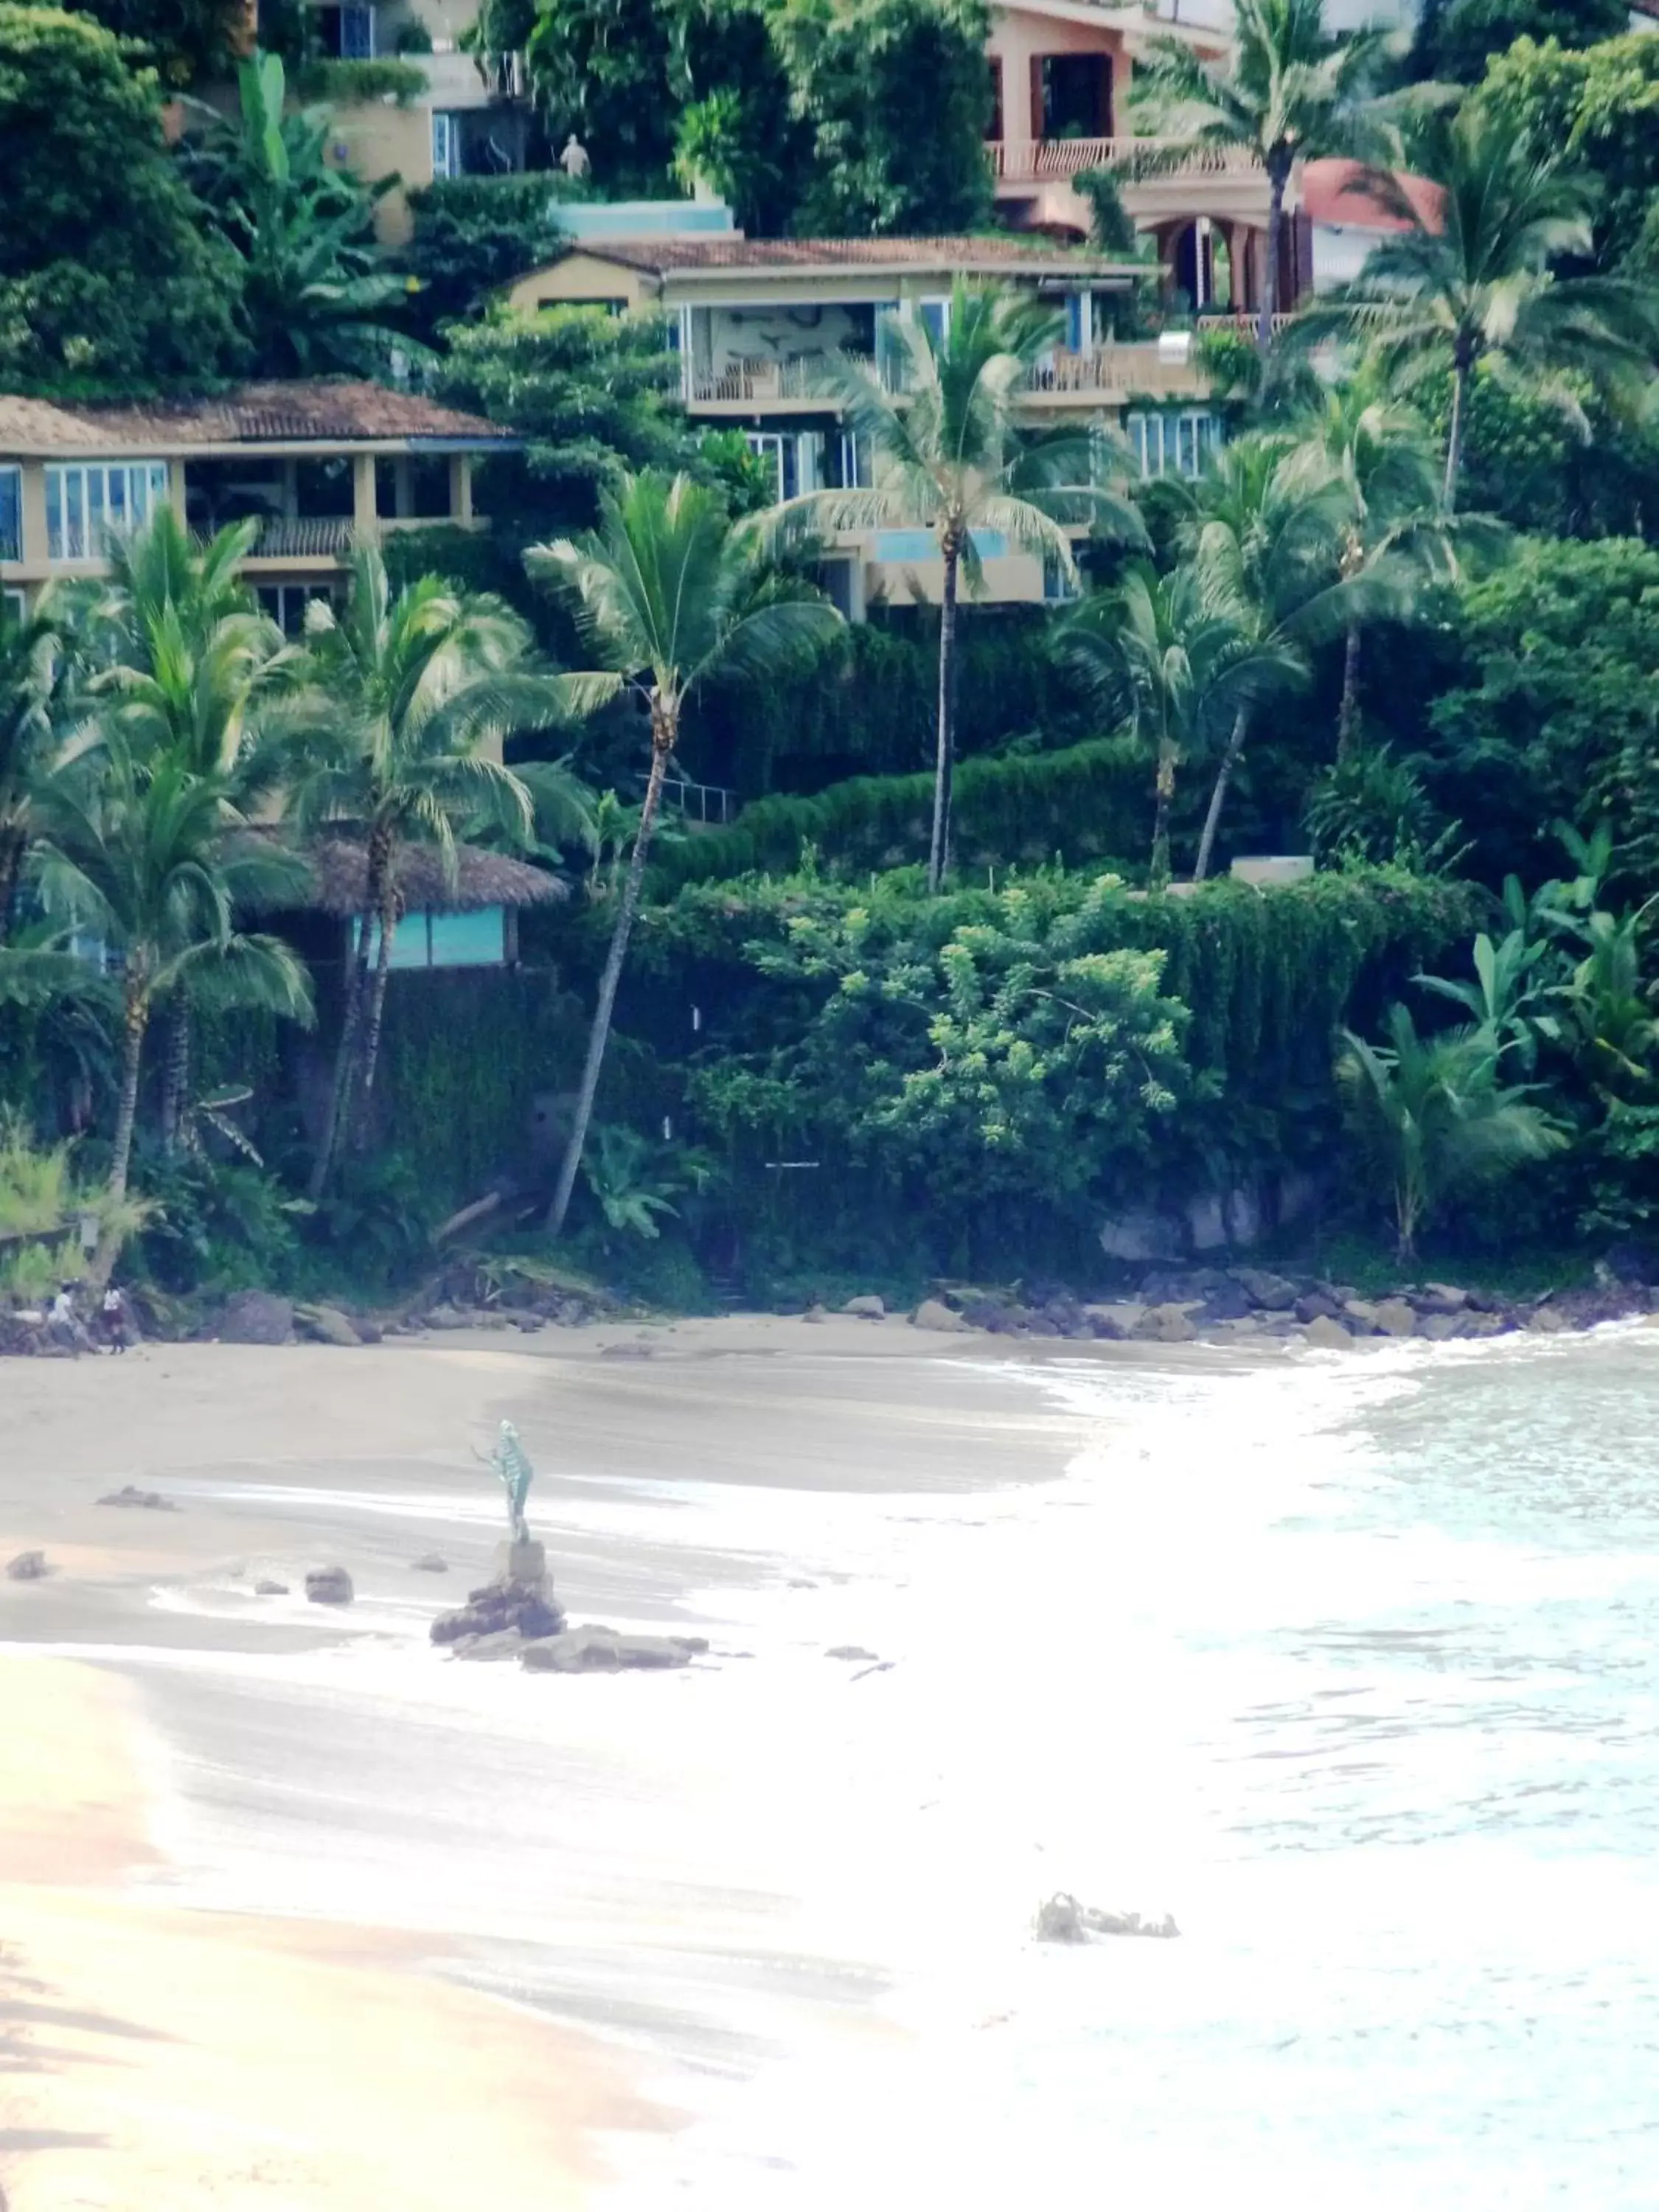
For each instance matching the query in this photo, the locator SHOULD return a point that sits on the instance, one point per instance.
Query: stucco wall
(1016, 37)
(581, 277)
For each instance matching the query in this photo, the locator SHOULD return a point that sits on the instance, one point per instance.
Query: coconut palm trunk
(345, 1055)
(1278, 177)
(1158, 873)
(1461, 368)
(665, 731)
(175, 1082)
(1224, 776)
(135, 1021)
(938, 852)
(1348, 718)
(12, 846)
(391, 914)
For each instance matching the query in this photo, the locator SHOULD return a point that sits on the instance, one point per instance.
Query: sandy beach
(158, 2055)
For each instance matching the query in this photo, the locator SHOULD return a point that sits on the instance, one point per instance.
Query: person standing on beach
(113, 1314)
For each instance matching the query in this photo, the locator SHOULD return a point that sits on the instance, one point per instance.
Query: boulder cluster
(1183, 1305)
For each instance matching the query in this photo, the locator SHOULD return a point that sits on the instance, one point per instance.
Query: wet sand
(156, 2054)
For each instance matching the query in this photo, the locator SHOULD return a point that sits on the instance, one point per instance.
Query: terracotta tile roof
(251, 414)
(1336, 193)
(731, 250)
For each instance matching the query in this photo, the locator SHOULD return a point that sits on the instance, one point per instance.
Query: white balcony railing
(760, 379)
(1040, 160)
(1113, 370)
(303, 537)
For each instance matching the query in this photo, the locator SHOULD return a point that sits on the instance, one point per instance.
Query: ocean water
(1350, 1662)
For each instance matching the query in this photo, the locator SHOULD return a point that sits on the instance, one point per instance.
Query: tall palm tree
(193, 672)
(147, 853)
(1395, 528)
(667, 592)
(948, 455)
(1176, 658)
(1473, 281)
(1436, 1115)
(1287, 91)
(414, 692)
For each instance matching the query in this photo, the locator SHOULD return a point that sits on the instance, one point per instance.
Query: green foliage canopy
(106, 277)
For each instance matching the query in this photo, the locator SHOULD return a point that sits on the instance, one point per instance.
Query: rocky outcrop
(326, 1325)
(595, 1649)
(149, 1501)
(430, 1563)
(1061, 1919)
(522, 1608)
(329, 1586)
(266, 1587)
(28, 1567)
(253, 1317)
(866, 1308)
(934, 1314)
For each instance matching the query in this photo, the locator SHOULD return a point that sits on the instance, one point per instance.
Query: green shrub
(352, 84)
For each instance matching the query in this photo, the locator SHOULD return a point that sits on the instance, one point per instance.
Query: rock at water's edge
(430, 1563)
(151, 1500)
(1326, 1335)
(1061, 1919)
(28, 1567)
(266, 1588)
(596, 1650)
(868, 1308)
(255, 1317)
(329, 1586)
(934, 1313)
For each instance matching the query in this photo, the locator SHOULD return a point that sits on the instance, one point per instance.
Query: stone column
(32, 521)
(460, 489)
(365, 514)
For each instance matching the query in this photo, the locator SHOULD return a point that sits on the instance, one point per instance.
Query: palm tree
(948, 457)
(32, 683)
(667, 592)
(1264, 527)
(1287, 91)
(413, 692)
(1436, 1115)
(194, 673)
(156, 860)
(1177, 658)
(1473, 282)
(1396, 529)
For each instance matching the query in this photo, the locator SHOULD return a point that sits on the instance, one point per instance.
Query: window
(11, 515)
(995, 132)
(89, 503)
(783, 455)
(1056, 584)
(347, 34)
(14, 606)
(425, 939)
(852, 460)
(286, 604)
(934, 316)
(1174, 444)
(445, 146)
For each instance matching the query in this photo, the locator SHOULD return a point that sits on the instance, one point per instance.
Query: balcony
(1110, 372)
(749, 383)
(1047, 161)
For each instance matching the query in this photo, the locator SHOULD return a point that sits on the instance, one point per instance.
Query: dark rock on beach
(149, 1501)
(266, 1588)
(524, 1609)
(28, 1567)
(596, 1650)
(329, 1586)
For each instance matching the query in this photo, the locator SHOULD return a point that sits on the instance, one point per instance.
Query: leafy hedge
(1088, 802)
(355, 83)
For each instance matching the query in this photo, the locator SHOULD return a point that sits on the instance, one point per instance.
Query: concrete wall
(583, 278)
(377, 141)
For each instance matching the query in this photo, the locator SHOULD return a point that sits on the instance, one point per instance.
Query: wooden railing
(1246, 325)
(1038, 160)
(303, 537)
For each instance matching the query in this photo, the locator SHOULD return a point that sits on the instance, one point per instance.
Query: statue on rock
(512, 1464)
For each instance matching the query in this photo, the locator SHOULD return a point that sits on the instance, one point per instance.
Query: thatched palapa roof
(339, 879)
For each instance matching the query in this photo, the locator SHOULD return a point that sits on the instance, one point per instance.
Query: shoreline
(169, 2027)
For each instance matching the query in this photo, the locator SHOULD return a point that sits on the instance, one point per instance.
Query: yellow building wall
(581, 279)
(377, 141)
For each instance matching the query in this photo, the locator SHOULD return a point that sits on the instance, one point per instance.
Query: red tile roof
(251, 414)
(1000, 252)
(1336, 193)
